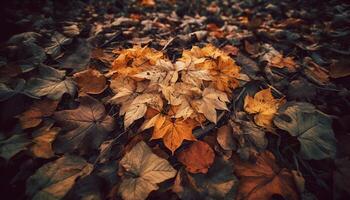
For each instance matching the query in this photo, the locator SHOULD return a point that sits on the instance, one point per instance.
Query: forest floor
(170, 99)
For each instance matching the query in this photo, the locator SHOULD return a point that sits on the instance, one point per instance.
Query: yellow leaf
(264, 106)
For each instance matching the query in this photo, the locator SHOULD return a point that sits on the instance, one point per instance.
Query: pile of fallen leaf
(170, 99)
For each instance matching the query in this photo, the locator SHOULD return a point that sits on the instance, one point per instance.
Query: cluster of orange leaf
(173, 97)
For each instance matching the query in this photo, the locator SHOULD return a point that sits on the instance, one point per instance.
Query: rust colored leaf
(90, 81)
(197, 158)
(264, 178)
(35, 114)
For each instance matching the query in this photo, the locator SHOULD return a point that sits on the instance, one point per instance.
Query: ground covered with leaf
(170, 99)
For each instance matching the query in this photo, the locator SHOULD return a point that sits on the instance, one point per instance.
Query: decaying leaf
(51, 83)
(197, 158)
(312, 128)
(35, 114)
(86, 126)
(141, 171)
(53, 180)
(264, 178)
(264, 106)
(90, 81)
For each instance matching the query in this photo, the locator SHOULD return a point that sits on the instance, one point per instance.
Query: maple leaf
(225, 74)
(54, 179)
(197, 158)
(134, 60)
(87, 126)
(163, 72)
(90, 81)
(138, 107)
(173, 131)
(134, 97)
(51, 83)
(312, 128)
(264, 106)
(190, 73)
(264, 178)
(211, 100)
(142, 170)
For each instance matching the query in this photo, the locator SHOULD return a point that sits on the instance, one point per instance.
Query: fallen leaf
(252, 49)
(50, 83)
(6, 92)
(42, 141)
(138, 107)
(230, 50)
(225, 138)
(87, 126)
(312, 128)
(90, 81)
(315, 72)
(54, 46)
(53, 180)
(211, 100)
(219, 183)
(37, 112)
(142, 170)
(174, 132)
(163, 72)
(197, 158)
(78, 57)
(13, 145)
(264, 178)
(340, 69)
(264, 106)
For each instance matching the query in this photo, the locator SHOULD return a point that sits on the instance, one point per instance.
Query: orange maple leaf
(264, 178)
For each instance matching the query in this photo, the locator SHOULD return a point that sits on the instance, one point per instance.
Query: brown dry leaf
(264, 178)
(340, 68)
(138, 107)
(197, 158)
(211, 100)
(163, 72)
(264, 106)
(315, 72)
(35, 114)
(225, 137)
(90, 81)
(215, 31)
(281, 62)
(276, 59)
(104, 57)
(230, 50)
(173, 131)
(252, 49)
(42, 141)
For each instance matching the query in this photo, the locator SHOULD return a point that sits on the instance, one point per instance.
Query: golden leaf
(264, 105)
